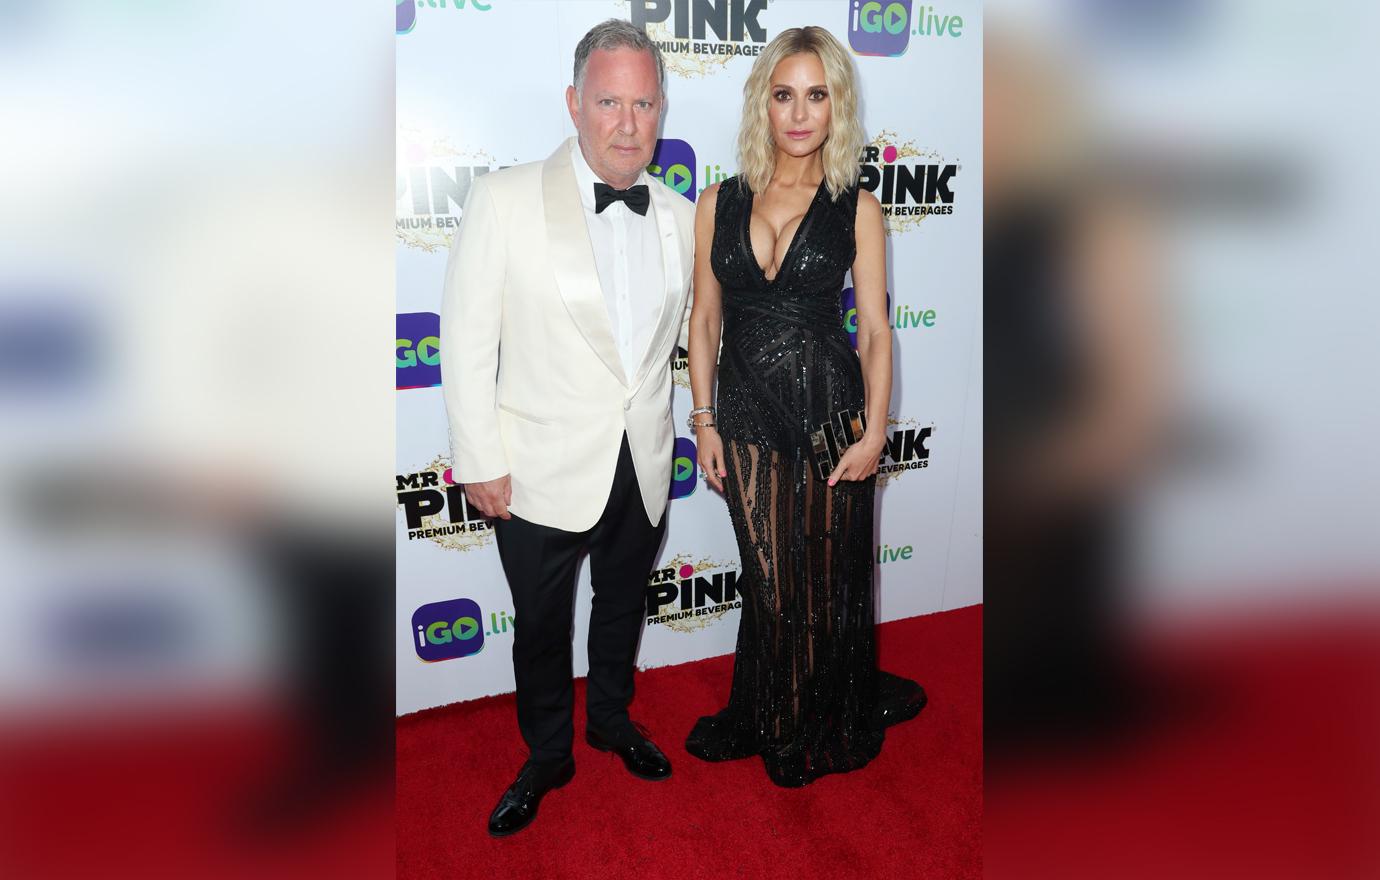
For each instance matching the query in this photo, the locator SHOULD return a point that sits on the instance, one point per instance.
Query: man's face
(618, 113)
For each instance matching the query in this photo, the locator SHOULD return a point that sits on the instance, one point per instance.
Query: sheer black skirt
(806, 695)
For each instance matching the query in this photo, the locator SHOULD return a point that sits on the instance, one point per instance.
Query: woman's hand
(859, 461)
(711, 455)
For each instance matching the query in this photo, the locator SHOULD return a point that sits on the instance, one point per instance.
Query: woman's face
(798, 104)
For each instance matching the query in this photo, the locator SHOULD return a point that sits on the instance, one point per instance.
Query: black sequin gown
(807, 695)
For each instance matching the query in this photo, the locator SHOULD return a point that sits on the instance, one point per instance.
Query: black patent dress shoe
(640, 755)
(518, 806)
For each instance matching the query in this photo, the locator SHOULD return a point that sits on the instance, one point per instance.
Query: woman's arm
(706, 323)
(874, 339)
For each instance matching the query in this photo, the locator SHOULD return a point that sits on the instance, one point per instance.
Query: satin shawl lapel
(672, 267)
(572, 258)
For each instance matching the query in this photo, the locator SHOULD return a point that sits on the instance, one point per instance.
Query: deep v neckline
(790, 248)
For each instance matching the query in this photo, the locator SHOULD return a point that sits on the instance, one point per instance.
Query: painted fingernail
(832, 482)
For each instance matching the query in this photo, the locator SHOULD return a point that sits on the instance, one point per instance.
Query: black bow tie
(635, 197)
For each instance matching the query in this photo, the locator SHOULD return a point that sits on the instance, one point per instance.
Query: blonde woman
(772, 246)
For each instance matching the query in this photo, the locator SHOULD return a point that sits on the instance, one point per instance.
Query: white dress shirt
(627, 256)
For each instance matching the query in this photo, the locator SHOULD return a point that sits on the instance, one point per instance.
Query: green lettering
(894, 19)
(869, 17)
(438, 633)
(429, 350)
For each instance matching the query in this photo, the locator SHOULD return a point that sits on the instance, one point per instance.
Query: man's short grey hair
(615, 34)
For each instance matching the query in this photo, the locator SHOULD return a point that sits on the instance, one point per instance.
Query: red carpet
(181, 792)
(916, 811)
(1254, 756)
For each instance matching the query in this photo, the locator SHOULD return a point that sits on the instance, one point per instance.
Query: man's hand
(492, 497)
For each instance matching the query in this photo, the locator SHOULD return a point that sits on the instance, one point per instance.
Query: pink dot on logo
(687, 570)
(889, 154)
(450, 481)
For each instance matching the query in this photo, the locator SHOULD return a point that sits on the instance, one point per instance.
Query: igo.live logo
(407, 10)
(418, 350)
(683, 468)
(884, 27)
(904, 317)
(446, 630)
(673, 163)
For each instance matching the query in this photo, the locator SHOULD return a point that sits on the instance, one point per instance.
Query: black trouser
(540, 563)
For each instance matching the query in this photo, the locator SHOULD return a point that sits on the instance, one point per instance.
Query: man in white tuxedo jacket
(565, 295)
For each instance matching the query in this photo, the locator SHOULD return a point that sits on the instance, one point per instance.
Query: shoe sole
(555, 785)
(601, 748)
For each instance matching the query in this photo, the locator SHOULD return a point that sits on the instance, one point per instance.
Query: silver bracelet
(690, 419)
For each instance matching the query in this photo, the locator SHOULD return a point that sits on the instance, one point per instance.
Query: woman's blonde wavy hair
(843, 146)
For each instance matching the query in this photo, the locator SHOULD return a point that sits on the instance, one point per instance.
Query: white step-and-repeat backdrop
(480, 86)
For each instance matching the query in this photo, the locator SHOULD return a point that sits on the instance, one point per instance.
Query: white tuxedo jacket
(532, 379)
